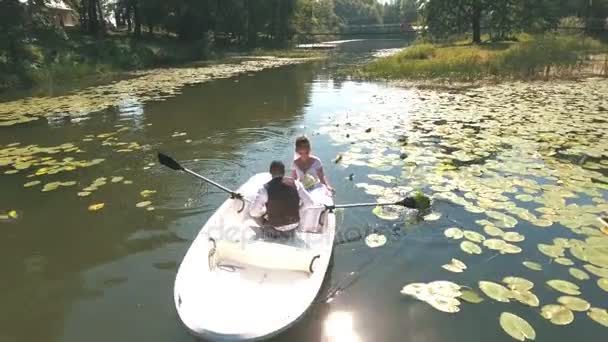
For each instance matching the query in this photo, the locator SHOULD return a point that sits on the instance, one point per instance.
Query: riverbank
(84, 59)
(530, 57)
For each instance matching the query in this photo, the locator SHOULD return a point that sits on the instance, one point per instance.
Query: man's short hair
(277, 168)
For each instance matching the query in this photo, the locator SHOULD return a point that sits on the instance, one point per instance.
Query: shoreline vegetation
(57, 42)
(83, 59)
(527, 57)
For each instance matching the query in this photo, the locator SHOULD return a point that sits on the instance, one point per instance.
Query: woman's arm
(323, 180)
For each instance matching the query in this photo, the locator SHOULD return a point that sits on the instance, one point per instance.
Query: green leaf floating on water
(51, 186)
(513, 237)
(526, 297)
(441, 295)
(471, 296)
(493, 231)
(375, 240)
(574, 303)
(533, 265)
(385, 214)
(603, 284)
(598, 271)
(473, 236)
(495, 291)
(564, 261)
(578, 274)
(143, 204)
(455, 266)
(32, 183)
(453, 233)
(564, 287)
(516, 327)
(599, 315)
(470, 248)
(518, 283)
(434, 216)
(147, 193)
(557, 314)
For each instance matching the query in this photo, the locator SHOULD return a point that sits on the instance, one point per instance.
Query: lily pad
(578, 274)
(434, 216)
(51, 186)
(493, 231)
(516, 327)
(473, 236)
(557, 314)
(143, 204)
(533, 265)
(564, 287)
(526, 297)
(441, 295)
(518, 283)
(147, 193)
(453, 233)
(455, 266)
(599, 315)
(470, 248)
(375, 240)
(564, 261)
(96, 207)
(598, 271)
(574, 303)
(603, 284)
(32, 183)
(513, 237)
(495, 291)
(471, 296)
(385, 214)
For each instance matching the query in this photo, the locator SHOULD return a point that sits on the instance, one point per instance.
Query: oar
(408, 202)
(174, 165)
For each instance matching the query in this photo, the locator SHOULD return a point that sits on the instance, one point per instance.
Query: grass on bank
(529, 57)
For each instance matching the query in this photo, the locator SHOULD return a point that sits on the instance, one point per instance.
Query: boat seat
(263, 254)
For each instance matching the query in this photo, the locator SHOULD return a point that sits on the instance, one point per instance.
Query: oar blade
(408, 202)
(169, 162)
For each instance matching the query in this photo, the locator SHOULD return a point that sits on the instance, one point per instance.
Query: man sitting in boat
(278, 202)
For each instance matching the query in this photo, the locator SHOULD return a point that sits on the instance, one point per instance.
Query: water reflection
(339, 327)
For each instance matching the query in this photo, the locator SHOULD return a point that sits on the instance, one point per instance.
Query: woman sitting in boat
(307, 168)
(278, 202)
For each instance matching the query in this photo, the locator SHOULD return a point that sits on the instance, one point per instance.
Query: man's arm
(258, 208)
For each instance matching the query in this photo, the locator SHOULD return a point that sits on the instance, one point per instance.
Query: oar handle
(233, 194)
(407, 202)
(174, 165)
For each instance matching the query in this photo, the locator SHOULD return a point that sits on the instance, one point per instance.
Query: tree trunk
(102, 21)
(137, 19)
(476, 17)
(252, 29)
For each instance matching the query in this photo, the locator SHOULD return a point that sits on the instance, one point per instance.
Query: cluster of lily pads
(148, 85)
(39, 163)
(516, 157)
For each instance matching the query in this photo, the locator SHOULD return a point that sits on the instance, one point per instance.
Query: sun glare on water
(338, 327)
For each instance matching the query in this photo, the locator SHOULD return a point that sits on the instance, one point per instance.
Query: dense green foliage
(134, 34)
(504, 18)
(531, 57)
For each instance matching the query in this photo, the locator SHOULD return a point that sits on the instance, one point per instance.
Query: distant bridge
(369, 30)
